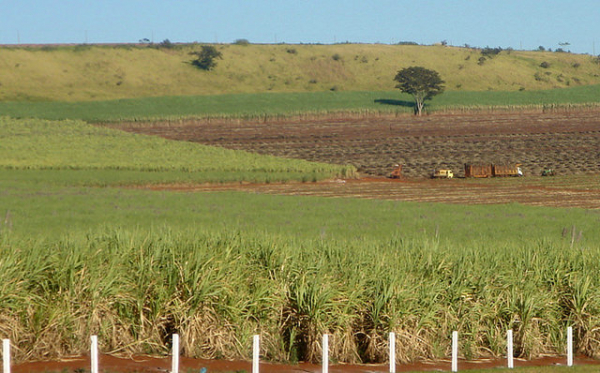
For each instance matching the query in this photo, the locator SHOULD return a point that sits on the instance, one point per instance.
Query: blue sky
(520, 24)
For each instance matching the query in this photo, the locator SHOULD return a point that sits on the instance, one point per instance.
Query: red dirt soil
(153, 364)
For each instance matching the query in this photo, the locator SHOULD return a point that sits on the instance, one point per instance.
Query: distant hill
(97, 72)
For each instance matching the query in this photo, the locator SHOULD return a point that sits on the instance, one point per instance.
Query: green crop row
(262, 106)
(218, 288)
(73, 145)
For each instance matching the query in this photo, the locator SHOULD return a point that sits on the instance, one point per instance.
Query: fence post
(325, 353)
(455, 351)
(255, 354)
(392, 352)
(6, 355)
(569, 346)
(94, 354)
(509, 348)
(175, 357)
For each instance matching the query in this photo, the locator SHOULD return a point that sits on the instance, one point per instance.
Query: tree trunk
(419, 102)
(419, 107)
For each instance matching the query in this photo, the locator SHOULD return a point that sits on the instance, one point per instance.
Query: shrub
(241, 42)
(336, 57)
(166, 44)
(545, 65)
(490, 52)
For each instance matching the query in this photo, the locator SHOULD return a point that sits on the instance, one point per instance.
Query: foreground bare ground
(566, 141)
(154, 364)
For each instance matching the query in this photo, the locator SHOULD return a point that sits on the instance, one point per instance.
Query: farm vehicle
(396, 172)
(471, 170)
(548, 172)
(493, 170)
(442, 174)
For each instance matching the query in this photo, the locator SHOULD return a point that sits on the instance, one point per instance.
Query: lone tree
(205, 58)
(421, 83)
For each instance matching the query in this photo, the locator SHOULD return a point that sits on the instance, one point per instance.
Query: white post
(455, 351)
(509, 348)
(175, 360)
(94, 354)
(325, 353)
(392, 352)
(569, 346)
(6, 355)
(255, 354)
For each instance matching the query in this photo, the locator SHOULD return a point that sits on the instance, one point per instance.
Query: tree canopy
(206, 57)
(421, 83)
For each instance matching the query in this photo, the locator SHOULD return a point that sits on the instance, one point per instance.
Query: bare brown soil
(566, 141)
(153, 364)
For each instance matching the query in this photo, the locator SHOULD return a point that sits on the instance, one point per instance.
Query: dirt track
(579, 191)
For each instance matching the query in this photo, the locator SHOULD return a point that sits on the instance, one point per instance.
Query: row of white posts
(325, 346)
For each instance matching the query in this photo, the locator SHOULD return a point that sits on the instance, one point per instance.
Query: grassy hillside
(81, 73)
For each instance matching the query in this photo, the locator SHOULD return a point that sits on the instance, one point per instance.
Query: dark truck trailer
(478, 170)
(493, 170)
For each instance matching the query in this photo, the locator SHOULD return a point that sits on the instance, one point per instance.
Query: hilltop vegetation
(83, 73)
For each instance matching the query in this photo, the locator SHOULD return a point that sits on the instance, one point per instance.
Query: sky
(518, 24)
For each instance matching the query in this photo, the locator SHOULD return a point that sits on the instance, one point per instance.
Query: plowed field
(566, 141)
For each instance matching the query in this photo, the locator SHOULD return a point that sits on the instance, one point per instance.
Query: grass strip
(265, 105)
